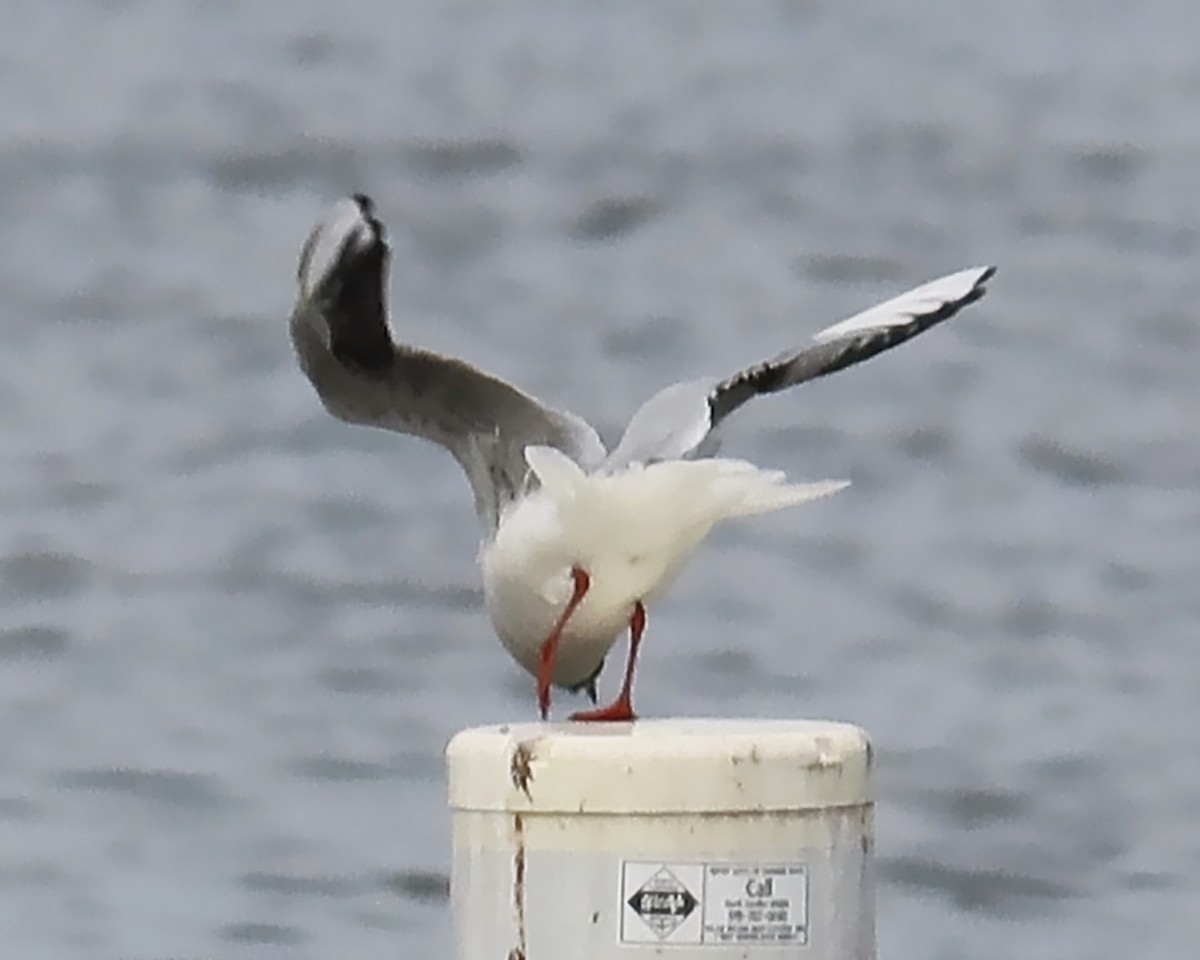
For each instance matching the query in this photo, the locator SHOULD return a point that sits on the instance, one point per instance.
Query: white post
(707, 839)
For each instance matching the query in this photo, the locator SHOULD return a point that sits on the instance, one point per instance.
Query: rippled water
(236, 633)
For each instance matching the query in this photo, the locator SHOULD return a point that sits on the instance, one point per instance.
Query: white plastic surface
(659, 766)
(681, 838)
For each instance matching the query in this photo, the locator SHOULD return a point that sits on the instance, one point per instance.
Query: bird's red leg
(549, 650)
(622, 707)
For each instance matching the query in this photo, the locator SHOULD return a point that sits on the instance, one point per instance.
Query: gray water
(236, 633)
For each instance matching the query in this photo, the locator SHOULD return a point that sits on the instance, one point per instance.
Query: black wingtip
(366, 206)
(350, 288)
(978, 289)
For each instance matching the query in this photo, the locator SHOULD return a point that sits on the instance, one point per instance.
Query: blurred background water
(236, 633)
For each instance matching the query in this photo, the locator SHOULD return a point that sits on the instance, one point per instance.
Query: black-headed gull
(577, 541)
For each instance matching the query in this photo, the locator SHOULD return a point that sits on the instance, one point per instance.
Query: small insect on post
(706, 839)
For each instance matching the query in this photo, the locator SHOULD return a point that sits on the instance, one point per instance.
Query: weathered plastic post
(686, 839)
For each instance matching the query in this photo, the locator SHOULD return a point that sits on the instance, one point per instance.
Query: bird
(577, 540)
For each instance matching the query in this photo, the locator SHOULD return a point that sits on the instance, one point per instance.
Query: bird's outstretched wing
(678, 421)
(340, 333)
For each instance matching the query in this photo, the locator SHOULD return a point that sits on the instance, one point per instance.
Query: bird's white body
(630, 530)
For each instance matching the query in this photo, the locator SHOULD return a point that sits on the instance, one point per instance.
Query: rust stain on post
(520, 767)
(518, 952)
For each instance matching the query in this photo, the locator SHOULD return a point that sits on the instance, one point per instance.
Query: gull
(577, 540)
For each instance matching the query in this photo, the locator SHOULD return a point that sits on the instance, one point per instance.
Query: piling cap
(660, 766)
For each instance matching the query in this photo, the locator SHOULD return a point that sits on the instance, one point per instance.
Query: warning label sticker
(748, 904)
(660, 902)
(714, 904)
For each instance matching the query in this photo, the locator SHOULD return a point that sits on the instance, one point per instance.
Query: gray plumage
(340, 332)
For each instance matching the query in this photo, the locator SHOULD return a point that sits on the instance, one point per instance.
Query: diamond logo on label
(663, 902)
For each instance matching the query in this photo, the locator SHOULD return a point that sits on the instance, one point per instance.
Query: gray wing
(679, 420)
(339, 329)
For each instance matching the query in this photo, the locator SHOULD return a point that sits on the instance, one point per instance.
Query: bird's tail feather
(760, 491)
(708, 490)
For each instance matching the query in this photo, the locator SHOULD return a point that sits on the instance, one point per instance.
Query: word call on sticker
(755, 903)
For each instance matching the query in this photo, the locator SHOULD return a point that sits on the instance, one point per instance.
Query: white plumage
(631, 530)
